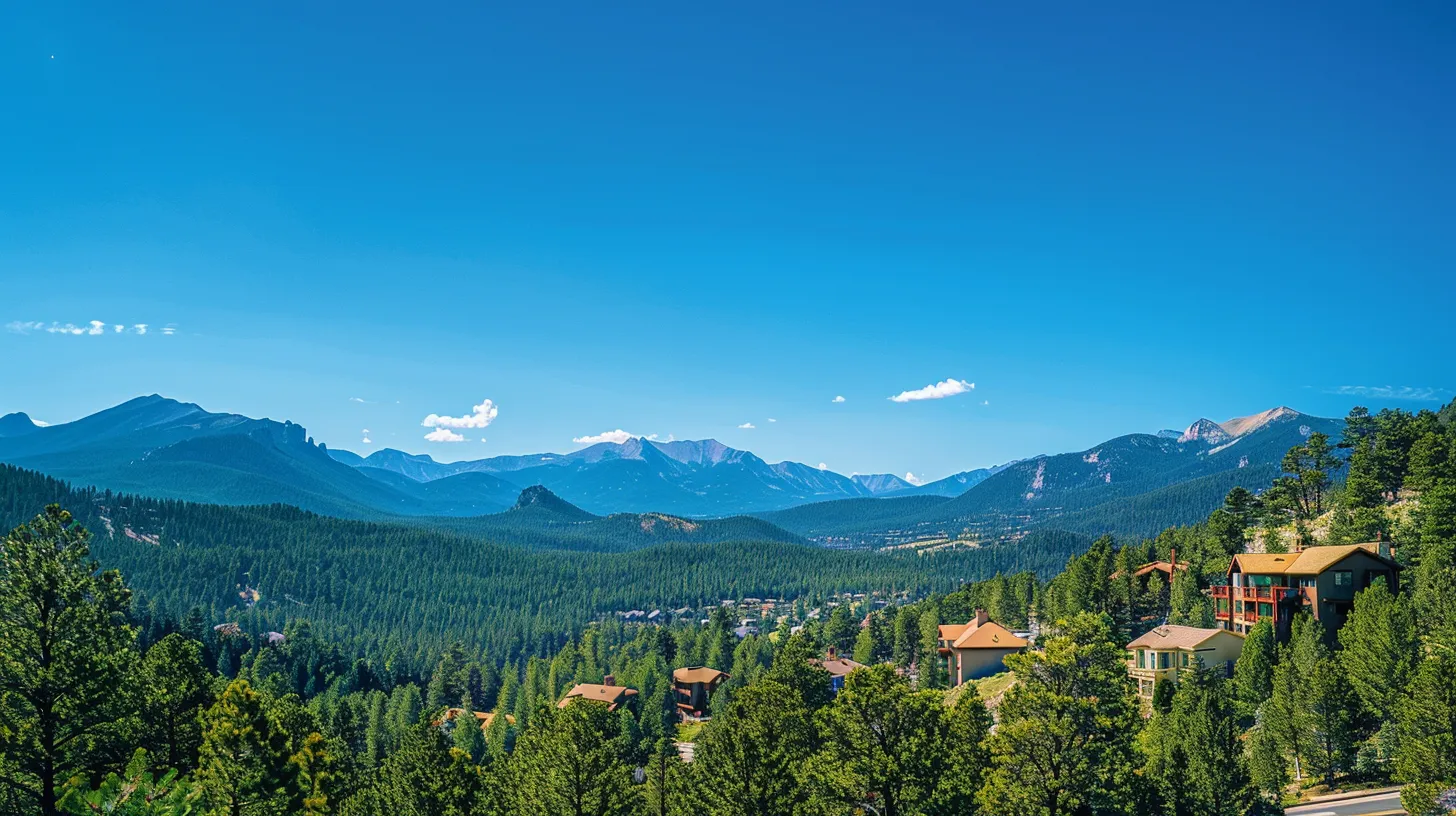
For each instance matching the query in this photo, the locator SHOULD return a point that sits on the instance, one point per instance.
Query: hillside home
(485, 718)
(976, 649)
(693, 687)
(838, 668)
(1166, 650)
(614, 696)
(1320, 580)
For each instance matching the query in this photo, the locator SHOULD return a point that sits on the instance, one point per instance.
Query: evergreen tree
(568, 762)
(747, 759)
(1064, 743)
(1380, 648)
(1196, 755)
(175, 687)
(244, 767)
(1254, 670)
(1426, 725)
(64, 655)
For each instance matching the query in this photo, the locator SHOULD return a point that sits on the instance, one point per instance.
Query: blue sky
(677, 220)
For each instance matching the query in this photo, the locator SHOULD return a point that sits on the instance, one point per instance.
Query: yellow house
(1167, 650)
(976, 649)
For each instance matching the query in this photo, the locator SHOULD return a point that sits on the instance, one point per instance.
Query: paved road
(1379, 804)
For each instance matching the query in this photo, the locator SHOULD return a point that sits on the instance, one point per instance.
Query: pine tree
(64, 654)
(746, 760)
(568, 761)
(244, 766)
(1254, 670)
(175, 687)
(1426, 725)
(1380, 648)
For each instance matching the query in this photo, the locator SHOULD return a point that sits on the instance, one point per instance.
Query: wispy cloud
(837, 399)
(443, 435)
(360, 400)
(940, 390)
(92, 328)
(771, 419)
(747, 426)
(616, 437)
(366, 440)
(1391, 392)
(480, 416)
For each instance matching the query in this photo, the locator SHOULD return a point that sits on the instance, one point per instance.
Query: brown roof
(612, 695)
(1165, 567)
(989, 635)
(1312, 561)
(697, 674)
(838, 666)
(485, 718)
(1176, 637)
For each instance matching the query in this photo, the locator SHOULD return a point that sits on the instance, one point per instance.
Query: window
(1185, 658)
(1344, 578)
(1162, 660)
(1266, 610)
(1142, 659)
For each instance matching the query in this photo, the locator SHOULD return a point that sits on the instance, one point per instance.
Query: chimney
(609, 680)
(1381, 545)
(832, 652)
(1173, 559)
(982, 618)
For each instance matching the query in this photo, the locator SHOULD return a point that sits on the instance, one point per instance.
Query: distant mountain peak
(1205, 430)
(1169, 433)
(17, 424)
(539, 498)
(1238, 426)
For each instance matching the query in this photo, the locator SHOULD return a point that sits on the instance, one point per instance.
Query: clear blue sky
(677, 219)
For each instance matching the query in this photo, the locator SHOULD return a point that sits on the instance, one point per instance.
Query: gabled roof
(611, 695)
(989, 635)
(697, 674)
(838, 666)
(1172, 636)
(1312, 561)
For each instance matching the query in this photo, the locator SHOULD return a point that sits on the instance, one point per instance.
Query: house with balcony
(976, 649)
(1165, 651)
(1319, 580)
(838, 667)
(693, 687)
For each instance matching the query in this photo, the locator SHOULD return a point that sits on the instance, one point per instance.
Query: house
(976, 649)
(1165, 567)
(1320, 580)
(693, 686)
(1166, 650)
(614, 696)
(485, 718)
(838, 668)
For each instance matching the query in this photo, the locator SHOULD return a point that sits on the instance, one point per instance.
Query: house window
(1344, 578)
(1142, 659)
(1162, 660)
(1184, 661)
(1266, 610)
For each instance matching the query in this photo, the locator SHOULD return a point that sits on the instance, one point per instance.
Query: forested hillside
(405, 591)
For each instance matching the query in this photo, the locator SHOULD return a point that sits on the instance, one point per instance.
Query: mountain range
(160, 447)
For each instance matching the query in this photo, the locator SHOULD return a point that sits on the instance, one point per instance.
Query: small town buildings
(838, 668)
(976, 649)
(1167, 650)
(1319, 580)
(693, 687)
(614, 696)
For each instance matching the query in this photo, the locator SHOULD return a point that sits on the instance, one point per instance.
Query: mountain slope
(160, 447)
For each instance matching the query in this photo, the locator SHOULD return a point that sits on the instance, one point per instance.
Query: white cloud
(985, 402)
(39, 424)
(140, 328)
(92, 328)
(97, 327)
(616, 437)
(481, 415)
(913, 479)
(443, 435)
(823, 466)
(357, 399)
(169, 330)
(1392, 392)
(118, 328)
(771, 419)
(748, 426)
(366, 431)
(837, 399)
(366, 440)
(940, 390)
